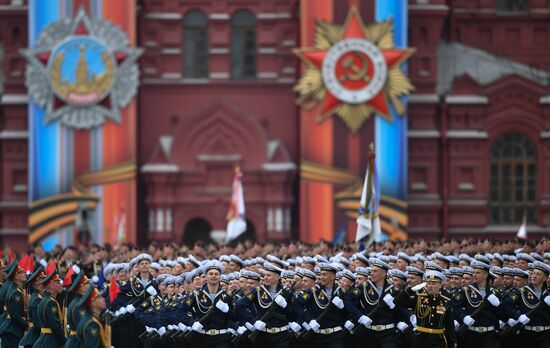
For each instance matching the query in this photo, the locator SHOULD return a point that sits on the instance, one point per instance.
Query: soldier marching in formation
(385, 296)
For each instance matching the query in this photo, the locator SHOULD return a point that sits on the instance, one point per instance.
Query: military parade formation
(393, 294)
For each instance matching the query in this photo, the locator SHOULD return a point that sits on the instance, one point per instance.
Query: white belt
(380, 327)
(328, 331)
(213, 332)
(481, 328)
(274, 330)
(537, 328)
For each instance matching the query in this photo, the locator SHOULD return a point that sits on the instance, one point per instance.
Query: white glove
(468, 320)
(294, 326)
(197, 326)
(511, 322)
(161, 331)
(337, 301)
(148, 329)
(457, 325)
(170, 327)
(250, 327)
(241, 330)
(413, 320)
(349, 325)
(493, 300)
(364, 320)
(402, 326)
(117, 313)
(389, 301)
(122, 311)
(183, 327)
(306, 326)
(151, 291)
(259, 325)
(501, 324)
(547, 300)
(222, 306)
(280, 300)
(524, 319)
(130, 308)
(418, 287)
(232, 332)
(314, 325)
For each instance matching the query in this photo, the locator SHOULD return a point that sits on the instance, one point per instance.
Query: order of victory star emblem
(82, 71)
(353, 71)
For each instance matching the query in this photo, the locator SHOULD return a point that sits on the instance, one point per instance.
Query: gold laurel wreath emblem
(312, 90)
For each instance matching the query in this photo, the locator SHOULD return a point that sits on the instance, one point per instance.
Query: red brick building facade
(216, 91)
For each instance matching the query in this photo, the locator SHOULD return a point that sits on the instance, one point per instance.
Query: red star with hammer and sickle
(353, 28)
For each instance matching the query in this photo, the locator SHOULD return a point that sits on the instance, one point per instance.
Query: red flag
(12, 257)
(114, 289)
(68, 280)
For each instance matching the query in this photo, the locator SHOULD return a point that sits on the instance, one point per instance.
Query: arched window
(512, 180)
(243, 45)
(195, 45)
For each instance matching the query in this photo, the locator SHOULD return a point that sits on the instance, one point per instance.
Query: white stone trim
(218, 158)
(279, 167)
(466, 99)
(268, 75)
(14, 231)
(467, 134)
(188, 80)
(171, 75)
(288, 70)
(150, 71)
(430, 7)
(475, 10)
(468, 202)
(150, 43)
(423, 133)
(267, 50)
(288, 43)
(218, 50)
(219, 75)
(545, 100)
(19, 188)
(14, 134)
(540, 10)
(466, 186)
(286, 80)
(171, 51)
(12, 7)
(14, 204)
(270, 15)
(545, 134)
(160, 168)
(14, 99)
(423, 98)
(420, 202)
(219, 16)
(164, 15)
(418, 186)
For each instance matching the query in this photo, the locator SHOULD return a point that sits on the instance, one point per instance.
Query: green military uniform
(90, 332)
(74, 314)
(15, 323)
(434, 316)
(32, 335)
(52, 333)
(8, 285)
